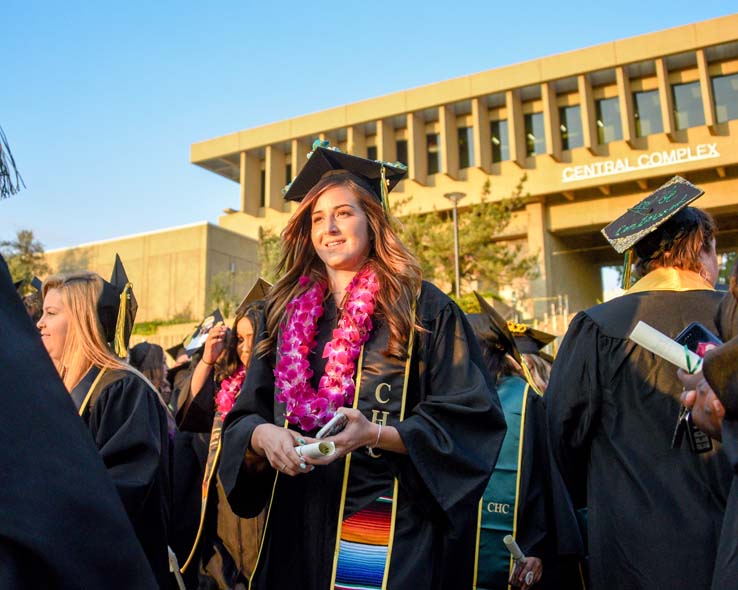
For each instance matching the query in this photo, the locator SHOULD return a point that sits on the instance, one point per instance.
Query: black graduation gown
(128, 424)
(453, 429)
(654, 512)
(62, 524)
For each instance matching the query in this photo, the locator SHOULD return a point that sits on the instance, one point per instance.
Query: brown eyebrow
(334, 208)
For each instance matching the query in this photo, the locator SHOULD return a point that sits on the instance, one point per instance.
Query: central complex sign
(703, 151)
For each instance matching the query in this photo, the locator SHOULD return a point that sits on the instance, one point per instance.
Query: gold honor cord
(627, 268)
(359, 370)
(203, 509)
(90, 391)
(521, 443)
(479, 539)
(411, 343)
(266, 523)
(383, 190)
(529, 378)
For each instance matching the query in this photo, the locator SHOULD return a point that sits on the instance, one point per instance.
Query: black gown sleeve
(197, 415)
(573, 403)
(127, 428)
(248, 487)
(458, 424)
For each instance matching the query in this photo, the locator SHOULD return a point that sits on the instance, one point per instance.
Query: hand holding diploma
(527, 570)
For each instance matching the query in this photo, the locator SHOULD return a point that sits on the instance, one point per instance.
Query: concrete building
(593, 130)
(172, 270)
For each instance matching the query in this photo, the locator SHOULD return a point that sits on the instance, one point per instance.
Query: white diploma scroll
(316, 450)
(513, 548)
(661, 345)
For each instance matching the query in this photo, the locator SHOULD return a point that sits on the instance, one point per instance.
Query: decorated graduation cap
(200, 334)
(515, 339)
(376, 176)
(637, 223)
(116, 308)
(258, 291)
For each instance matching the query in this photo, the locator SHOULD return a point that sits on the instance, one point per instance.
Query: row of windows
(686, 101)
(688, 112)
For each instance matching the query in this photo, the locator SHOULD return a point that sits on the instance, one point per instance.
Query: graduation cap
(174, 351)
(200, 334)
(116, 308)
(35, 282)
(647, 216)
(376, 176)
(258, 291)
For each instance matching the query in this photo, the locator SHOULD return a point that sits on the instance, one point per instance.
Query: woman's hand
(530, 565)
(215, 344)
(360, 432)
(277, 445)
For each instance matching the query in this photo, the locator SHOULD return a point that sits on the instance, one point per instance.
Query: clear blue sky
(100, 101)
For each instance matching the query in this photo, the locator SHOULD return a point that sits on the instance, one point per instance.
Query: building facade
(173, 271)
(592, 131)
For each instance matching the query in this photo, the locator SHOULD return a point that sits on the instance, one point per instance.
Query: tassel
(8, 187)
(529, 378)
(120, 346)
(385, 195)
(627, 265)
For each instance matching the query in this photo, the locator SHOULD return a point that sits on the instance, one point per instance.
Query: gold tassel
(627, 265)
(385, 195)
(119, 343)
(529, 378)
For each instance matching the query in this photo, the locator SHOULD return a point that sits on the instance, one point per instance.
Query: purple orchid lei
(307, 407)
(229, 389)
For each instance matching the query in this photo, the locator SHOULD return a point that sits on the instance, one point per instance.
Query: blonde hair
(397, 269)
(85, 344)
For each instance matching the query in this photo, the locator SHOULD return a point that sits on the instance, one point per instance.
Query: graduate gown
(654, 512)
(396, 512)
(62, 524)
(128, 424)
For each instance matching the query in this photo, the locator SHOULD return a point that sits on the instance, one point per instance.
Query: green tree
(270, 252)
(25, 256)
(430, 236)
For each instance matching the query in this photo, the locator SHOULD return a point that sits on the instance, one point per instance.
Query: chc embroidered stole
(498, 509)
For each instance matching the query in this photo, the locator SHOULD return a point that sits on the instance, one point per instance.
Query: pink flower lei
(229, 389)
(307, 407)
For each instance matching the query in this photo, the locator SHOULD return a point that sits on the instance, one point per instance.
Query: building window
(288, 174)
(607, 112)
(647, 113)
(262, 189)
(687, 105)
(500, 143)
(570, 124)
(725, 91)
(535, 138)
(371, 152)
(401, 149)
(434, 155)
(466, 146)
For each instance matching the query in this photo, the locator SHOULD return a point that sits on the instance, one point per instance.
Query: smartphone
(698, 338)
(333, 426)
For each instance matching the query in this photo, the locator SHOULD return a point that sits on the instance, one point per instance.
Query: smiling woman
(352, 328)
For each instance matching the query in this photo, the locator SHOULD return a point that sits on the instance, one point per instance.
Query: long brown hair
(85, 344)
(397, 269)
(228, 361)
(678, 242)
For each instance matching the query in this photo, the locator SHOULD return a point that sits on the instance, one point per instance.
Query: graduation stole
(498, 509)
(363, 551)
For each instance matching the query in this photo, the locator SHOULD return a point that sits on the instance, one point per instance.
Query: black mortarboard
(325, 159)
(116, 308)
(200, 334)
(500, 332)
(257, 292)
(35, 282)
(175, 350)
(639, 221)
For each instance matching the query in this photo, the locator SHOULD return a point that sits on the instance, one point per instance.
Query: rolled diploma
(317, 450)
(513, 548)
(661, 345)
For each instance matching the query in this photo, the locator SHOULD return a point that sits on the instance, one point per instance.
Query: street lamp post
(455, 198)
